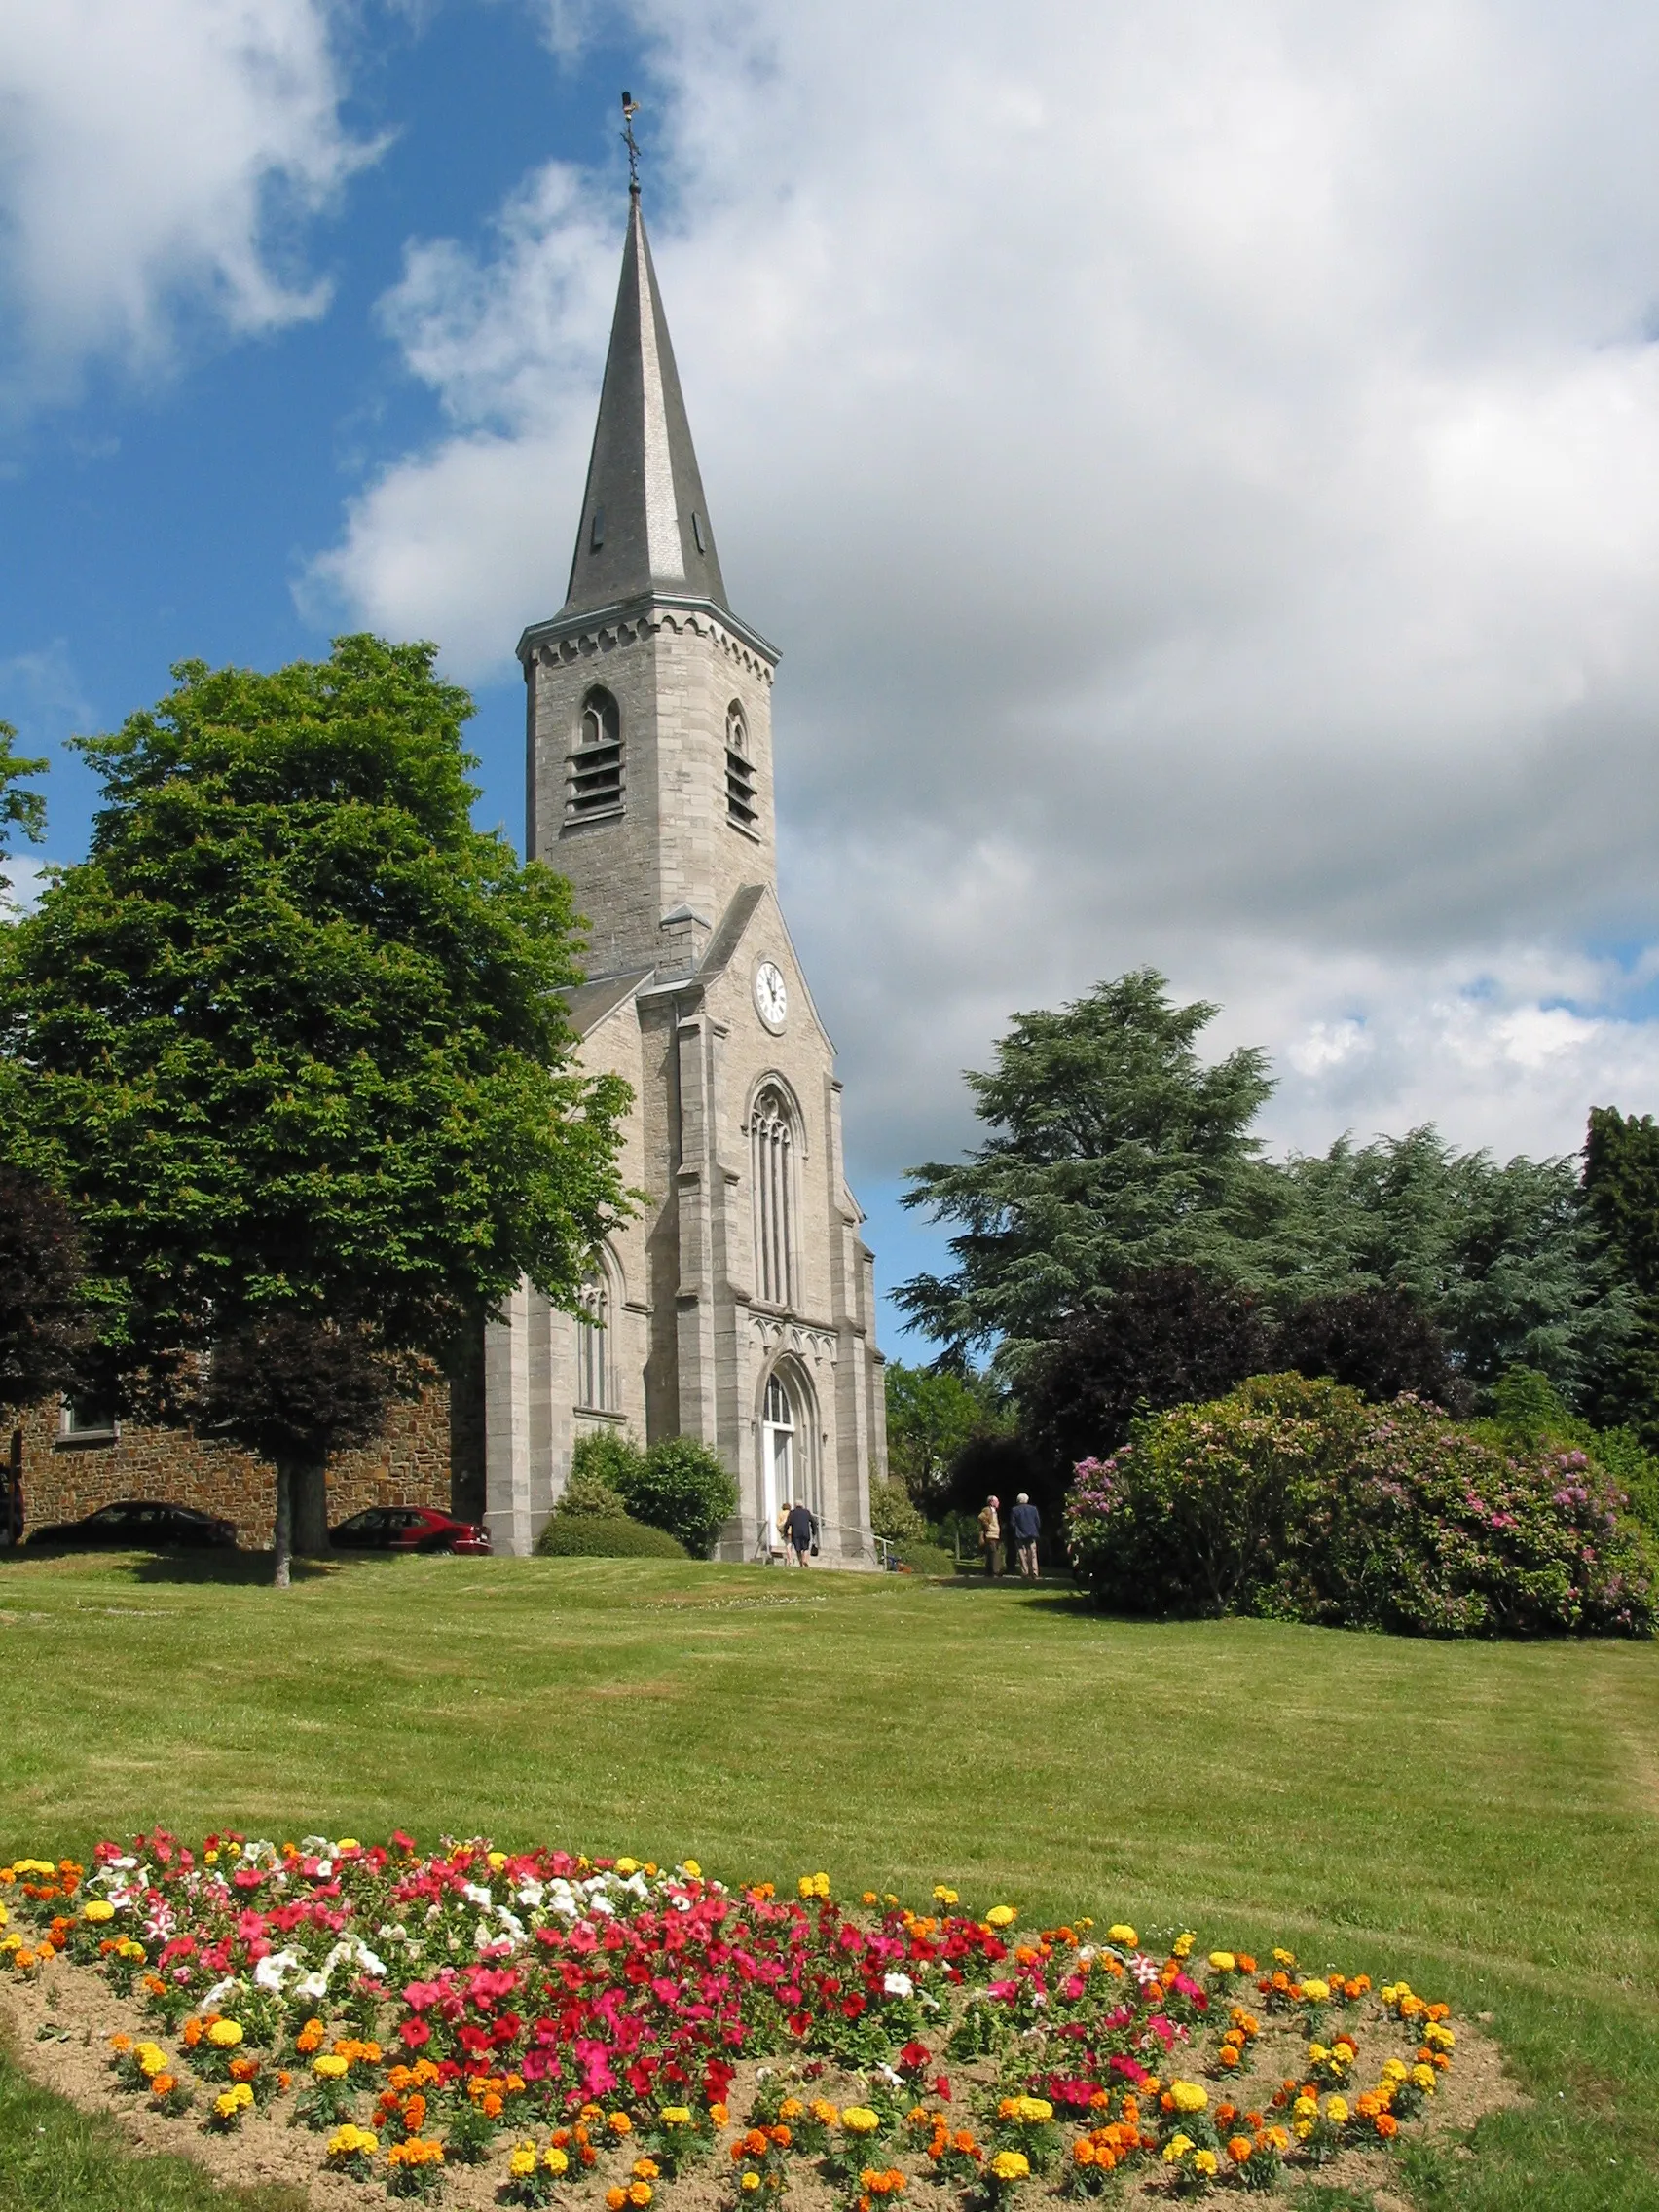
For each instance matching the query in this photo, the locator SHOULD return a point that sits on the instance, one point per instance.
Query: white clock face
(771, 996)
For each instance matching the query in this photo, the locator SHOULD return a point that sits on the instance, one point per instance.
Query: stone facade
(65, 1477)
(738, 1306)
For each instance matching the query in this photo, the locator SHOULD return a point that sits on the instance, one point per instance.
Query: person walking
(990, 1536)
(1027, 1525)
(798, 1532)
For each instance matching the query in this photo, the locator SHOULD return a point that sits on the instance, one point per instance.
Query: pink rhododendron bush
(534, 2028)
(1299, 1501)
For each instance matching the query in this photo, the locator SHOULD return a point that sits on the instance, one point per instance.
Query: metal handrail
(767, 1533)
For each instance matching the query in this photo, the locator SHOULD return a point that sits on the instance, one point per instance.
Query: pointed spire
(644, 524)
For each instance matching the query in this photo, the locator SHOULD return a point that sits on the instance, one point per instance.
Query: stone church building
(739, 1307)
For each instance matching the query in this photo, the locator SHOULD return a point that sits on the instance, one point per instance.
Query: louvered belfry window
(595, 766)
(772, 1163)
(740, 770)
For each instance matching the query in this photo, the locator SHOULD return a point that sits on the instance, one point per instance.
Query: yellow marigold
(352, 2141)
(675, 2115)
(1189, 2096)
(945, 1896)
(555, 2160)
(640, 2195)
(691, 1867)
(1424, 2077)
(522, 2164)
(1000, 1916)
(1183, 1944)
(1337, 2111)
(1204, 2162)
(225, 2035)
(96, 1909)
(750, 2183)
(1223, 1962)
(1121, 1932)
(1011, 2165)
(1176, 2149)
(859, 2119)
(151, 2058)
(331, 2067)
(645, 2169)
(1314, 1990)
(233, 2101)
(1305, 2108)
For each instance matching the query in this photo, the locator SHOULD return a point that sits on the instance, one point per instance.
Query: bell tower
(738, 1306)
(649, 702)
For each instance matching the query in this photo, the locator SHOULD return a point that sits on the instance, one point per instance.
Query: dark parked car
(408, 1528)
(137, 1525)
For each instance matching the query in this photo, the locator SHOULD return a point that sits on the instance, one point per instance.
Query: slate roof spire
(644, 524)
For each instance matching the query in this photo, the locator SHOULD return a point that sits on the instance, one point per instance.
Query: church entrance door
(777, 1463)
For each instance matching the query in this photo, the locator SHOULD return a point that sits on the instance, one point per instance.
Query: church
(738, 1306)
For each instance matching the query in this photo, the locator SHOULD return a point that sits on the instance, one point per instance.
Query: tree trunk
(310, 1509)
(283, 1542)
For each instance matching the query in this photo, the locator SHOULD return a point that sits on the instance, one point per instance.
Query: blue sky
(1200, 458)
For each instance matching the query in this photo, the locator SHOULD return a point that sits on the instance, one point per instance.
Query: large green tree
(932, 1413)
(19, 809)
(1621, 1183)
(1114, 1148)
(291, 1039)
(1503, 1257)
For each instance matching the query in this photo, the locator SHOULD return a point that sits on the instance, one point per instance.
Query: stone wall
(410, 1465)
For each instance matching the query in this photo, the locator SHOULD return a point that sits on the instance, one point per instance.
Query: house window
(593, 1346)
(772, 1166)
(740, 772)
(84, 1420)
(595, 766)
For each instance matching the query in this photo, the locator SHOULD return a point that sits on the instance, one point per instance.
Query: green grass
(1482, 1817)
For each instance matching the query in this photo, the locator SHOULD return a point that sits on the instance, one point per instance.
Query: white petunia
(899, 1985)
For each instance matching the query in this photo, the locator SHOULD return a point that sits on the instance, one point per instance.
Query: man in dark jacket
(1027, 1525)
(798, 1532)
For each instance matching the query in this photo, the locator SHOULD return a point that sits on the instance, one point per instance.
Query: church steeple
(644, 524)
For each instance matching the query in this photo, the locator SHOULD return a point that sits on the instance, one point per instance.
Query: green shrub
(1296, 1499)
(682, 1487)
(1529, 1412)
(606, 1460)
(927, 1559)
(893, 1516)
(582, 1535)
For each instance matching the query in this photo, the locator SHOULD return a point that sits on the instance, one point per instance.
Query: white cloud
(1201, 461)
(156, 155)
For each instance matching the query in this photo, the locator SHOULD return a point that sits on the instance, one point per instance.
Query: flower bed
(533, 2027)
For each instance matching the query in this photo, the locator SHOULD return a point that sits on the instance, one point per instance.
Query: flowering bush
(599, 2016)
(1298, 1500)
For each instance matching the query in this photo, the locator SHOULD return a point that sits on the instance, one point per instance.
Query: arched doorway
(788, 1456)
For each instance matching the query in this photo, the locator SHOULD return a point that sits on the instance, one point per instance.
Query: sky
(1199, 457)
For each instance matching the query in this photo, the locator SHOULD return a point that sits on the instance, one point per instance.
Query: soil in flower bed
(614, 1990)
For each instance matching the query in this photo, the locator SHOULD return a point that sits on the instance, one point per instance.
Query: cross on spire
(630, 109)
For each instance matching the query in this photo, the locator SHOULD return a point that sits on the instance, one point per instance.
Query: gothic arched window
(595, 1376)
(740, 770)
(772, 1168)
(595, 766)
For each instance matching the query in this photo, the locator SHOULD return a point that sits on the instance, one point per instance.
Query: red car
(408, 1528)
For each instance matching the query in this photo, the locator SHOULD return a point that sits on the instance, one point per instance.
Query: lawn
(1482, 1817)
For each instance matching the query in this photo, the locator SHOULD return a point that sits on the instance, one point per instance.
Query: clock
(771, 995)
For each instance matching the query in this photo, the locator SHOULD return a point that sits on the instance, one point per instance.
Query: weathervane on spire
(630, 109)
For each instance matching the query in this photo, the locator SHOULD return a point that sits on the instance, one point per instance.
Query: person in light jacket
(990, 1536)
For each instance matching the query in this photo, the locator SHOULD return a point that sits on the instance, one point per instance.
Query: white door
(777, 1460)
